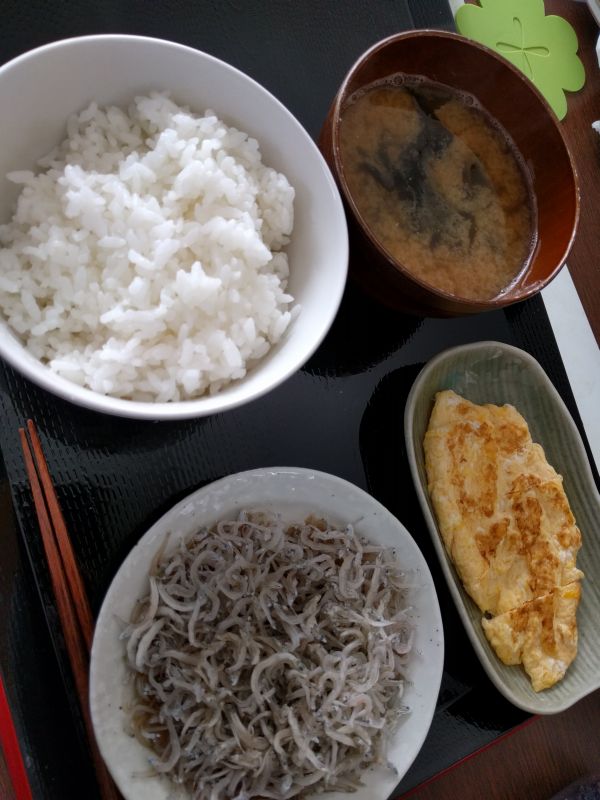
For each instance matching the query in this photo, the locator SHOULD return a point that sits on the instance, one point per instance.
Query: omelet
(501, 507)
(541, 634)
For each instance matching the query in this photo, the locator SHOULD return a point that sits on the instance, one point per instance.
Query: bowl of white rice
(172, 243)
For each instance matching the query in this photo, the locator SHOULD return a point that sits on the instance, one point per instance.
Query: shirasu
(268, 657)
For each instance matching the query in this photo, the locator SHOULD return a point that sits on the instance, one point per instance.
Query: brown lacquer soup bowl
(509, 99)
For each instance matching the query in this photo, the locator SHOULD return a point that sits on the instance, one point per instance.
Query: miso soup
(441, 185)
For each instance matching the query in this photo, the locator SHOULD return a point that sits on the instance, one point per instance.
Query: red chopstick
(12, 752)
(69, 592)
(67, 556)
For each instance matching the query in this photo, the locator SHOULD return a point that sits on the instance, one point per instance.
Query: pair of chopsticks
(69, 592)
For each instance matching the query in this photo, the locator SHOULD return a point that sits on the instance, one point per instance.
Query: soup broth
(440, 184)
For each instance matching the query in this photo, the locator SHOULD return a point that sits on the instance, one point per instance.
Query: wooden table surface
(548, 753)
(584, 142)
(5, 785)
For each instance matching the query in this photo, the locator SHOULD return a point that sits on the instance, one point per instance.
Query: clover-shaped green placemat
(543, 47)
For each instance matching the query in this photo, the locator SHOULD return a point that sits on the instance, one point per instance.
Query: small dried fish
(267, 658)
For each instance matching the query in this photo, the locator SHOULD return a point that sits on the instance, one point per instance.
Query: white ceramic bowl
(294, 493)
(40, 89)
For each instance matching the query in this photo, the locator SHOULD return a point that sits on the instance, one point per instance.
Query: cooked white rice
(145, 259)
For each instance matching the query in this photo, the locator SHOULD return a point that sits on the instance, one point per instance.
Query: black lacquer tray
(342, 413)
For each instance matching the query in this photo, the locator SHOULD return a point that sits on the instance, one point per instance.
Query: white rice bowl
(145, 260)
(42, 89)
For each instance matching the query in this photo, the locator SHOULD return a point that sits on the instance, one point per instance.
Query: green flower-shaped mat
(543, 47)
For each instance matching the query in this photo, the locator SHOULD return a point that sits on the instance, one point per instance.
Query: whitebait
(268, 658)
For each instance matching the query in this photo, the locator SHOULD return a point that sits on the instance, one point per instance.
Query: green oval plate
(491, 372)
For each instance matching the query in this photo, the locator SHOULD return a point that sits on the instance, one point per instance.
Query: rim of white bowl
(232, 396)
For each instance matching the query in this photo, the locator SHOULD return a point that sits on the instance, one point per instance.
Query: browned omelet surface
(541, 634)
(501, 508)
